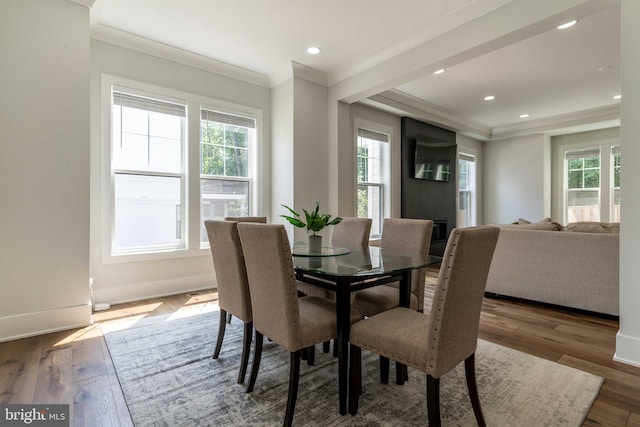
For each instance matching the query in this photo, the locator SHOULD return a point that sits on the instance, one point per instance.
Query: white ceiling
(550, 73)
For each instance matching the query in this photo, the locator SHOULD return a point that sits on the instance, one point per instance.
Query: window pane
(583, 205)
(592, 178)
(146, 211)
(146, 140)
(237, 136)
(370, 206)
(237, 162)
(370, 171)
(221, 198)
(224, 149)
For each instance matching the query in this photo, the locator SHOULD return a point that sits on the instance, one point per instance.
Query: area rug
(168, 377)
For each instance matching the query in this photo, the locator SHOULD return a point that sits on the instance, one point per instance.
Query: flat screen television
(433, 160)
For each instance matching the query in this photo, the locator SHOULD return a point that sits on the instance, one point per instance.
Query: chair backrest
(457, 301)
(351, 233)
(274, 293)
(409, 235)
(231, 274)
(260, 219)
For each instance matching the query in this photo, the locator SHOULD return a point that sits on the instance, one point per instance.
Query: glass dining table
(344, 271)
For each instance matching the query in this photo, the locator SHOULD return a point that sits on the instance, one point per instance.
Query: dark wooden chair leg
(257, 355)
(470, 373)
(221, 328)
(401, 373)
(335, 348)
(384, 370)
(294, 377)
(355, 378)
(228, 317)
(326, 346)
(311, 355)
(433, 401)
(246, 349)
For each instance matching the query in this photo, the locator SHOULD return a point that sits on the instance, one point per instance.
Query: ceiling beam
(506, 25)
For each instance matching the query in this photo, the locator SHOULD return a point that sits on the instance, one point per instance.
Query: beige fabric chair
(260, 219)
(278, 313)
(437, 342)
(233, 288)
(350, 233)
(398, 234)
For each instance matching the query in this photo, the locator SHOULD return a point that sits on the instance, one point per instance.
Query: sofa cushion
(545, 224)
(594, 227)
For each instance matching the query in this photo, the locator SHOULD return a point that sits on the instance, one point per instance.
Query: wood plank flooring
(75, 367)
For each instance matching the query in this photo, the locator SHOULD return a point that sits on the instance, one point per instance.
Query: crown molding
(577, 121)
(140, 44)
(402, 104)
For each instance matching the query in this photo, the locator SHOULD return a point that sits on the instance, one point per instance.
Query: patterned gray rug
(168, 378)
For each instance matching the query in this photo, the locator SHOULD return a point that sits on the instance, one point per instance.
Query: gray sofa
(567, 268)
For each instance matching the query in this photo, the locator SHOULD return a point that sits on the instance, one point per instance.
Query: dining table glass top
(371, 261)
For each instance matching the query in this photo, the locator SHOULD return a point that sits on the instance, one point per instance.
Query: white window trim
(605, 174)
(387, 176)
(191, 185)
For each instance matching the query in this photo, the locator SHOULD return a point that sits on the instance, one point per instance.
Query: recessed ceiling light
(440, 71)
(313, 50)
(617, 97)
(524, 116)
(567, 25)
(489, 98)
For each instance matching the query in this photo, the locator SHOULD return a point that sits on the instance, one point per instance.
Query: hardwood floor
(75, 367)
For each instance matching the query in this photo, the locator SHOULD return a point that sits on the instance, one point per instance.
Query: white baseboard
(627, 350)
(155, 289)
(43, 322)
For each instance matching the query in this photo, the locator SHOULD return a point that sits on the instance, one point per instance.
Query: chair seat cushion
(399, 334)
(318, 320)
(375, 300)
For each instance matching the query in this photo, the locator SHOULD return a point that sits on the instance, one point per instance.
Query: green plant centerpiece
(314, 223)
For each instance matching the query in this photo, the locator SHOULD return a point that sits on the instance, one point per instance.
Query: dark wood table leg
(343, 310)
(405, 301)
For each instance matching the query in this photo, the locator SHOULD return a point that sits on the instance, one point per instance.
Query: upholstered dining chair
(278, 313)
(398, 234)
(233, 288)
(259, 219)
(350, 233)
(437, 342)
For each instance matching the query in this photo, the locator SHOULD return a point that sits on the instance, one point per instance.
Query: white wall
(515, 185)
(44, 167)
(282, 151)
(311, 156)
(118, 282)
(628, 339)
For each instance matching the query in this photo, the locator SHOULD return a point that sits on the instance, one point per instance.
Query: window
(172, 160)
(224, 158)
(466, 190)
(148, 137)
(615, 181)
(592, 184)
(372, 170)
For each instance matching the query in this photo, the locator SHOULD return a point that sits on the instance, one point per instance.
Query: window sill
(154, 256)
